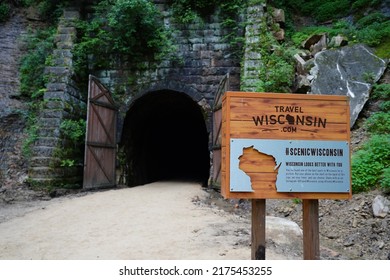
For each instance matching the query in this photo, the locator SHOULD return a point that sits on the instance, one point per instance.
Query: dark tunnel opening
(165, 138)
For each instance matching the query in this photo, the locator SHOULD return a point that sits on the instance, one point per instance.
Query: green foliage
(134, 27)
(370, 165)
(297, 201)
(381, 91)
(385, 180)
(74, 130)
(49, 10)
(371, 28)
(277, 72)
(68, 163)
(318, 9)
(385, 106)
(327, 10)
(72, 151)
(32, 136)
(32, 126)
(230, 12)
(5, 12)
(39, 46)
(373, 18)
(383, 50)
(124, 30)
(186, 11)
(190, 11)
(338, 27)
(379, 123)
(370, 162)
(363, 4)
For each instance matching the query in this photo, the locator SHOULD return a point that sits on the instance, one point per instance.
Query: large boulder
(380, 206)
(350, 71)
(284, 239)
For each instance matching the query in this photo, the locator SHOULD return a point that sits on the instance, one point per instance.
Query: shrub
(376, 17)
(74, 130)
(385, 180)
(186, 11)
(5, 12)
(39, 47)
(372, 29)
(49, 10)
(135, 27)
(331, 9)
(339, 27)
(369, 163)
(364, 4)
(277, 72)
(374, 34)
(128, 30)
(381, 91)
(319, 9)
(379, 123)
(276, 75)
(72, 151)
(385, 106)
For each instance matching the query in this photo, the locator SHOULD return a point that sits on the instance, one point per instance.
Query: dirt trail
(172, 220)
(156, 221)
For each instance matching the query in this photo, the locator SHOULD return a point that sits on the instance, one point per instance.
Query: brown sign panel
(285, 146)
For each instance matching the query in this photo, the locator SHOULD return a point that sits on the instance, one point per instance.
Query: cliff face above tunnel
(12, 123)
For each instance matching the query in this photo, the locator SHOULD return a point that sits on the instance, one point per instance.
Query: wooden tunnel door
(100, 144)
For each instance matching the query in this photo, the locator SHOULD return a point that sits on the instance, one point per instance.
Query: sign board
(285, 146)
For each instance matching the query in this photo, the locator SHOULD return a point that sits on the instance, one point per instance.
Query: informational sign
(285, 145)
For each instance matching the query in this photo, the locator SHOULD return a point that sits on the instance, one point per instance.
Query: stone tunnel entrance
(165, 138)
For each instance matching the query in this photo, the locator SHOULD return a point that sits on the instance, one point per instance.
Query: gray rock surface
(380, 206)
(12, 123)
(350, 71)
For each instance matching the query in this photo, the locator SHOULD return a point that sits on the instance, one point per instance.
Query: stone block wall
(252, 62)
(61, 101)
(202, 58)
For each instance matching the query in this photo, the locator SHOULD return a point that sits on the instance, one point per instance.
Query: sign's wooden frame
(327, 118)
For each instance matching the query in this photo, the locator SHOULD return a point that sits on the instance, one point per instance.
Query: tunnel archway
(165, 138)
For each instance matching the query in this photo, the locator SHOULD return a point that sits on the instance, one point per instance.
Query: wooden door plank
(100, 146)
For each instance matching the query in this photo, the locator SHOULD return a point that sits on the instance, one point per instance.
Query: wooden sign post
(281, 146)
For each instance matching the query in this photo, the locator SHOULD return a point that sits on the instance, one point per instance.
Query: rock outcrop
(12, 164)
(380, 206)
(350, 71)
(343, 70)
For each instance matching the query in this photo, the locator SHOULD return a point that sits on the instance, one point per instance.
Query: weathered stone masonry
(61, 101)
(12, 123)
(202, 59)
